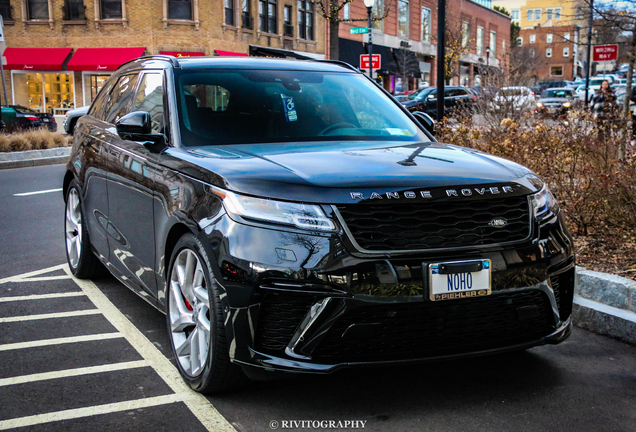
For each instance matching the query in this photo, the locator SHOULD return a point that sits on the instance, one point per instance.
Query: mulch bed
(608, 254)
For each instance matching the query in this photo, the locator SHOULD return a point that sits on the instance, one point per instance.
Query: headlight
(539, 104)
(566, 104)
(305, 216)
(545, 204)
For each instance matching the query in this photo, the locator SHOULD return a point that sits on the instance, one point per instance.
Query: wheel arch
(68, 178)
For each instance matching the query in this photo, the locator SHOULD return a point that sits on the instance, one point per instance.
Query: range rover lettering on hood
(442, 193)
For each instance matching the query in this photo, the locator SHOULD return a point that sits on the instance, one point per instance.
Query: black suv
(291, 216)
(455, 98)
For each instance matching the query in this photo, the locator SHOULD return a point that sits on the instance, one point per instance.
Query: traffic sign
(605, 53)
(359, 30)
(364, 61)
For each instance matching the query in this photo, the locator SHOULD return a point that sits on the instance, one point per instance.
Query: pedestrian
(604, 102)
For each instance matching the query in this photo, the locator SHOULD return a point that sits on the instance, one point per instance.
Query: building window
(50, 92)
(548, 38)
(38, 9)
(566, 36)
(403, 18)
(519, 41)
(378, 11)
(288, 29)
(548, 52)
(531, 52)
(479, 46)
(532, 38)
(465, 34)
(93, 83)
(426, 24)
(246, 16)
(306, 20)
(554, 13)
(346, 10)
(111, 9)
(5, 10)
(515, 14)
(268, 16)
(229, 12)
(74, 10)
(566, 52)
(537, 14)
(556, 71)
(180, 9)
(493, 43)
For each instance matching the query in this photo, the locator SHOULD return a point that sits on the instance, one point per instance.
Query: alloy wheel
(189, 312)
(73, 227)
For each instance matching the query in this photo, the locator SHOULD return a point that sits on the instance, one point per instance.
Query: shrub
(576, 156)
(33, 140)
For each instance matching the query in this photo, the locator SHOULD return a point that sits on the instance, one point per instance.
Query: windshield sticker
(290, 108)
(400, 132)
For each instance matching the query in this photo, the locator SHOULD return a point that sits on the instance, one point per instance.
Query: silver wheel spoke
(73, 227)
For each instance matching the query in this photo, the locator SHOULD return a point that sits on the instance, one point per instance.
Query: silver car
(71, 118)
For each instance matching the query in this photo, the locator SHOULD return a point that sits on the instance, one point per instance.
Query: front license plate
(459, 279)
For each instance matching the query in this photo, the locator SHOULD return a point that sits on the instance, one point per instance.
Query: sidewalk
(34, 157)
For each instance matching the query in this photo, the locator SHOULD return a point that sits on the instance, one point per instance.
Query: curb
(32, 158)
(605, 304)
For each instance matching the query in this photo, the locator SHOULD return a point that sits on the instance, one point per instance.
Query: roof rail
(173, 60)
(340, 63)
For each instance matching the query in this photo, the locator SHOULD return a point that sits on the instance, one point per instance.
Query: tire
(195, 321)
(79, 254)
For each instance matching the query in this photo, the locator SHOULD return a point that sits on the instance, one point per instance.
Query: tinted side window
(150, 99)
(97, 108)
(120, 98)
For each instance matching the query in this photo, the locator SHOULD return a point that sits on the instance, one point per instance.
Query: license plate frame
(438, 278)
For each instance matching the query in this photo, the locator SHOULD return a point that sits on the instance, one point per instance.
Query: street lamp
(487, 56)
(369, 5)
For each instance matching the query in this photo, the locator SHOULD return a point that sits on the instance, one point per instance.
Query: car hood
(330, 172)
(554, 100)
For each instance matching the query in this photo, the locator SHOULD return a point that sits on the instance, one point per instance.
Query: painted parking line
(60, 341)
(50, 316)
(41, 296)
(72, 372)
(92, 411)
(32, 276)
(37, 192)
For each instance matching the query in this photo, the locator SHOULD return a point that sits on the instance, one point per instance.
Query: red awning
(230, 54)
(36, 58)
(182, 53)
(103, 59)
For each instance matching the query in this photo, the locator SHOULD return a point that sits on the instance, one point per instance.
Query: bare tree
(330, 11)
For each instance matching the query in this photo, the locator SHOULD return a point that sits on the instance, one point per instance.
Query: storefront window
(44, 92)
(92, 85)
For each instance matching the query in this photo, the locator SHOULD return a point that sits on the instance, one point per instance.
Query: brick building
(406, 39)
(60, 52)
(555, 51)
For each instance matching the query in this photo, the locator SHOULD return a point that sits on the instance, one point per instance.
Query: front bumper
(296, 302)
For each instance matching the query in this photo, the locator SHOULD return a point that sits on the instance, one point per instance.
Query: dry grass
(33, 140)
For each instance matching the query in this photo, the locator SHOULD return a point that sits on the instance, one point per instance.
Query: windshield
(556, 94)
(260, 106)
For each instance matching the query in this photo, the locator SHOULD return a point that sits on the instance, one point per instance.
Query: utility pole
(588, 66)
(441, 53)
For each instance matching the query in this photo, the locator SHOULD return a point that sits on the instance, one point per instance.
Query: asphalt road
(87, 381)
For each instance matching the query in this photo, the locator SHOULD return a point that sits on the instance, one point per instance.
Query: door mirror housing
(426, 121)
(137, 126)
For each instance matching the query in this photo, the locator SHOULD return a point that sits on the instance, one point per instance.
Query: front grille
(424, 329)
(279, 316)
(563, 286)
(436, 225)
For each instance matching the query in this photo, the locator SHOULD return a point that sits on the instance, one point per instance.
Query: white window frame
(30, 71)
(86, 96)
(566, 51)
(492, 43)
(519, 41)
(532, 38)
(548, 52)
(479, 43)
(537, 14)
(549, 38)
(426, 37)
(515, 14)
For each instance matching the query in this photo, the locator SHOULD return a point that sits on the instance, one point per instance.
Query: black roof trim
(340, 63)
(173, 60)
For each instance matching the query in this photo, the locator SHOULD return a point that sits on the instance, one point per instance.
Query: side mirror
(137, 126)
(426, 121)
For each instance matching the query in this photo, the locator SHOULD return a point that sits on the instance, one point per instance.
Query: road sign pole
(588, 67)
(369, 9)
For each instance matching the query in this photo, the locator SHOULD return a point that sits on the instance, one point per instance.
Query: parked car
(455, 98)
(516, 98)
(539, 87)
(291, 216)
(556, 101)
(71, 118)
(16, 120)
(46, 119)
